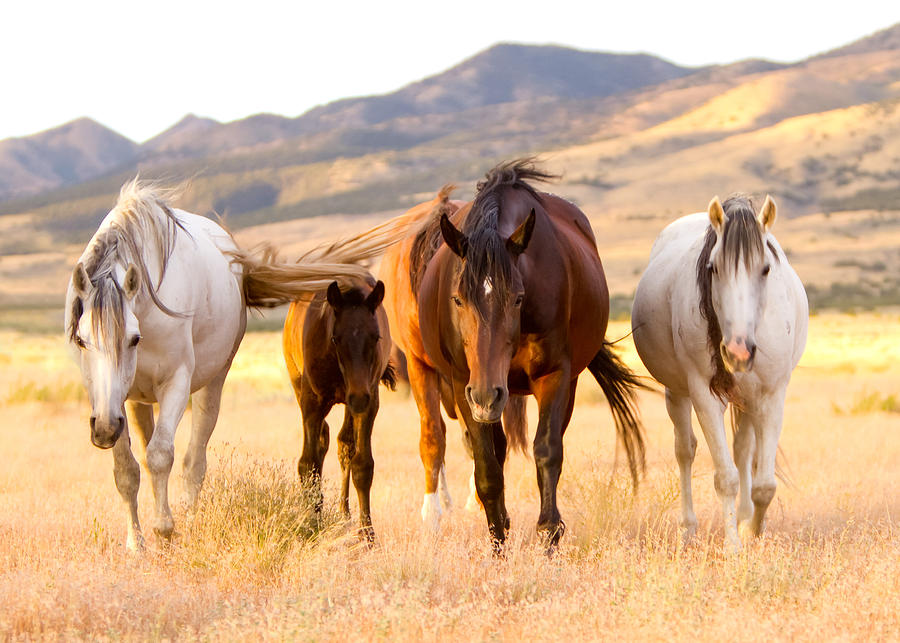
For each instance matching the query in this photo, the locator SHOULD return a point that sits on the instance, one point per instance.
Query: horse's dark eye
(134, 341)
(79, 342)
(334, 340)
(519, 300)
(766, 270)
(711, 267)
(457, 301)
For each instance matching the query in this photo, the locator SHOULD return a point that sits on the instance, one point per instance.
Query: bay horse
(515, 303)
(721, 317)
(155, 310)
(337, 349)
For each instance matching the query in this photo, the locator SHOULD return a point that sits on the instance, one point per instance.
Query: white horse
(157, 307)
(720, 316)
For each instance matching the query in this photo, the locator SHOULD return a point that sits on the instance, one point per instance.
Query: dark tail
(619, 384)
(515, 423)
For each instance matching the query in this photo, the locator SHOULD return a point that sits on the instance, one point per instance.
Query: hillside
(820, 135)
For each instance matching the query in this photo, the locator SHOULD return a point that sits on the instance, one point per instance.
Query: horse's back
(662, 311)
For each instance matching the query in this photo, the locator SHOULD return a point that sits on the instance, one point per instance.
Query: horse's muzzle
(737, 354)
(105, 435)
(487, 406)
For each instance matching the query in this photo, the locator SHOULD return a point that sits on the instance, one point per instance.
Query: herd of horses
(488, 301)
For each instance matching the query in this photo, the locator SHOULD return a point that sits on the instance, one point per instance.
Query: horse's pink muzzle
(738, 354)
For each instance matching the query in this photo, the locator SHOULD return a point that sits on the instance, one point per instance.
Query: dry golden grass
(253, 561)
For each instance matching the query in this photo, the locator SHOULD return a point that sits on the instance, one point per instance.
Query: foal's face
(106, 334)
(355, 337)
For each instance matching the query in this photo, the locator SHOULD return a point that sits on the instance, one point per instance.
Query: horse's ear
(454, 239)
(767, 214)
(132, 282)
(80, 280)
(376, 296)
(716, 214)
(518, 240)
(334, 296)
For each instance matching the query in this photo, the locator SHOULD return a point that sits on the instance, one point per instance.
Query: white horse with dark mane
(157, 307)
(721, 317)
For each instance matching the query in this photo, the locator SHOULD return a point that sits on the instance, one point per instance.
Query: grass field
(254, 563)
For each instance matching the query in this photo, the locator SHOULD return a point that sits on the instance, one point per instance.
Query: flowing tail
(515, 423)
(269, 282)
(619, 384)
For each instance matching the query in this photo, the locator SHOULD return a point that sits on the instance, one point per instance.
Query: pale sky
(138, 67)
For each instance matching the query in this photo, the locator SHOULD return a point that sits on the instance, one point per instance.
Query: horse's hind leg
(204, 413)
(768, 430)
(679, 409)
(346, 450)
(426, 388)
(128, 479)
(141, 419)
(744, 447)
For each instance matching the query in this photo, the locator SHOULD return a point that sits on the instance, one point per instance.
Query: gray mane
(742, 240)
(142, 219)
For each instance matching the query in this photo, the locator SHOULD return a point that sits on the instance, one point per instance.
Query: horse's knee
(726, 482)
(363, 469)
(685, 449)
(763, 493)
(160, 458)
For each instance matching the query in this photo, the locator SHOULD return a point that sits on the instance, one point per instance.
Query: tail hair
(389, 377)
(619, 384)
(515, 423)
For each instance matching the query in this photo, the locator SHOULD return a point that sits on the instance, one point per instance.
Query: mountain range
(634, 137)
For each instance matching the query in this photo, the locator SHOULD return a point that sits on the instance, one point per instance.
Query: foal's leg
(425, 386)
(315, 438)
(679, 409)
(744, 447)
(710, 412)
(363, 465)
(553, 397)
(173, 398)
(770, 412)
(346, 450)
(204, 413)
(128, 479)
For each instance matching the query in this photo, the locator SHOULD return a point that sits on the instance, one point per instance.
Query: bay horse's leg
(425, 386)
(552, 392)
(173, 399)
(128, 480)
(315, 438)
(489, 449)
(744, 447)
(346, 441)
(363, 466)
(770, 417)
(204, 414)
(710, 411)
(679, 409)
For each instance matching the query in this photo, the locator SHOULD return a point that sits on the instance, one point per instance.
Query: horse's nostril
(498, 394)
(93, 421)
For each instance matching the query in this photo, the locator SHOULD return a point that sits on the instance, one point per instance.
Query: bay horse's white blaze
(157, 307)
(719, 315)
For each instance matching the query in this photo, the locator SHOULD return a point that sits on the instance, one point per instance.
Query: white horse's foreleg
(128, 479)
(161, 448)
(710, 412)
(744, 446)
(204, 413)
(768, 430)
(679, 409)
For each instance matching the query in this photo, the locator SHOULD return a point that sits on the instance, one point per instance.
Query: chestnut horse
(337, 349)
(514, 303)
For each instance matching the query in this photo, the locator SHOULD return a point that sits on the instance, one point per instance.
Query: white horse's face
(106, 334)
(738, 285)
